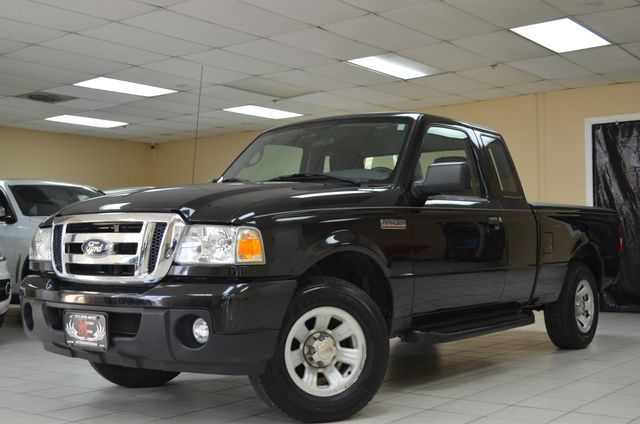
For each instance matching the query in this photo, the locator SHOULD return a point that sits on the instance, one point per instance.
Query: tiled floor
(511, 377)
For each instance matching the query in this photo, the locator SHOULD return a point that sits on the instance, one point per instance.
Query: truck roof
(413, 115)
(17, 181)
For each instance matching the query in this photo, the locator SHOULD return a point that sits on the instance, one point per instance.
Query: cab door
(459, 239)
(8, 227)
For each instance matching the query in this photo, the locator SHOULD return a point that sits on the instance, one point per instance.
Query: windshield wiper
(234, 180)
(314, 176)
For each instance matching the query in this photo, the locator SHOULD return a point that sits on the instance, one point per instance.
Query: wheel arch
(589, 255)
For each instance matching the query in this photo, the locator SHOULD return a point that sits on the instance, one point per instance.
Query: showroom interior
(136, 96)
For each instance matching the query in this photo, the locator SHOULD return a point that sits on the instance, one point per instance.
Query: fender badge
(393, 224)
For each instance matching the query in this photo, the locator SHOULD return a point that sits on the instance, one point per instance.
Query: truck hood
(232, 202)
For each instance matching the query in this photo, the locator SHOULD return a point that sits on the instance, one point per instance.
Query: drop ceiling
(288, 55)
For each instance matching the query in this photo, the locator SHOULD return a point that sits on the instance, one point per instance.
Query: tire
(572, 320)
(133, 377)
(328, 320)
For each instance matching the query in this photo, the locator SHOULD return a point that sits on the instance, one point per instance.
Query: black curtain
(616, 185)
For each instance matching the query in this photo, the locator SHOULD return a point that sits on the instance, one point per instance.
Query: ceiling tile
(350, 73)
(111, 9)
(620, 26)
(309, 80)
(67, 60)
(624, 76)
(411, 105)
(550, 67)
(446, 57)
(47, 16)
(499, 76)
(171, 124)
(233, 117)
(502, 46)
(328, 44)
(112, 116)
(22, 84)
(381, 5)
(536, 87)
(409, 90)
(162, 3)
(270, 87)
(188, 28)
(494, 93)
(509, 13)
(192, 99)
(583, 81)
(310, 11)
(581, 7)
(633, 48)
(241, 97)
(86, 104)
(144, 39)
(331, 101)
(297, 107)
(41, 72)
(140, 109)
(235, 62)
(603, 60)
(450, 100)
(379, 32)
(271, 51)
(368, 95)
(187, 69)
(238, 15)
(7, 46)
(21, 31)
(102, 49)
(436, 18)
(47, 108)
(451, 83)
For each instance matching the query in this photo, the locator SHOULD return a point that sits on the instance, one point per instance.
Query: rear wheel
(572, 321)
(133, 377)
(331, 356)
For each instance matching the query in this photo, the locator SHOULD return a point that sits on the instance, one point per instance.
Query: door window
(441, 145)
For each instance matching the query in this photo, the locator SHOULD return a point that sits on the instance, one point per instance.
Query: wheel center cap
(580, 306)
(319, 350)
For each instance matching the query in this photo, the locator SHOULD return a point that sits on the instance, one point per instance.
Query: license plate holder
(86, 330)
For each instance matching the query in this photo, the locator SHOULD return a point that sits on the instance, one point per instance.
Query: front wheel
(571, 322)
(133, 377)
(331, 356)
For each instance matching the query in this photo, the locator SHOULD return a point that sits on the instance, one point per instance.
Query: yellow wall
(103, 163)
(173, 161)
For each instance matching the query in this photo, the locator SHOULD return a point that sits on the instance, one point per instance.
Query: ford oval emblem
(97, 247)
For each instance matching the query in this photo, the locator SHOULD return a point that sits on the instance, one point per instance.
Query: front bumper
(151, 328)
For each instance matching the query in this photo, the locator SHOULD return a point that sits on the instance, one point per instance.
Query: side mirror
(446, 177)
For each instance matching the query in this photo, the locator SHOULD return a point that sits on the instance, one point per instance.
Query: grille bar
(127, 248)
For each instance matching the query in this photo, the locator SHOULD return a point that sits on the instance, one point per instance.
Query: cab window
(502, 167)
(441, 145)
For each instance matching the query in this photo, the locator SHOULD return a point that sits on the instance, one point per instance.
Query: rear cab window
(500, 163)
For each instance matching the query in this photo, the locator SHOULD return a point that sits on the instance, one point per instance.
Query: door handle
(494, 222)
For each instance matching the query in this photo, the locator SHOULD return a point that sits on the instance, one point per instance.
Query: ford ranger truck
(321, 241)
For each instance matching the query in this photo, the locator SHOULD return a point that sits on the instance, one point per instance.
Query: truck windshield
(364, 151)
(45, 200)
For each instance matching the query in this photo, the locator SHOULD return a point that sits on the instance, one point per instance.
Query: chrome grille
(134, 247)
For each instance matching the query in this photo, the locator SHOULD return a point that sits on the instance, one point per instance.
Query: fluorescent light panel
(87, 122)
(561, 36)
(125, 87)
(262, 112)
(394, 65)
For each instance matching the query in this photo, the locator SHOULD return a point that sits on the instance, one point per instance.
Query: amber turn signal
(249, 248)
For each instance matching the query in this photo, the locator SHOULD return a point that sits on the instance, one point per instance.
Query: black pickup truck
(321, 241)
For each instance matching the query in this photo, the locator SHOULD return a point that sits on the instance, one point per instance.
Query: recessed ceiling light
(126, 87)
(394, 65)
(561, 36)
(88, 122)
(262, 112)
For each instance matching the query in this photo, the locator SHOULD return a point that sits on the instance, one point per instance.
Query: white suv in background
(26, 204)
(5, 287)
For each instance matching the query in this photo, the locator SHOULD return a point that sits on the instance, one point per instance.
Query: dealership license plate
(86, 330)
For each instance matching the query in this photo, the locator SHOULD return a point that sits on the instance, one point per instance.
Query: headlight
(220, 245)
(41, 245)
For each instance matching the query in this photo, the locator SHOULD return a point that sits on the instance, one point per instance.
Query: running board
(465, 328)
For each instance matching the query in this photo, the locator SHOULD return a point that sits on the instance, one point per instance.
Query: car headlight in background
(220, 245)
(40, 249)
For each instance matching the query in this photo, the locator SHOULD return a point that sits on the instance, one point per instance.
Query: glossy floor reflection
(510, 377)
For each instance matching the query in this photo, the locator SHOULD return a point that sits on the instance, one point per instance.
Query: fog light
(200, 331)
